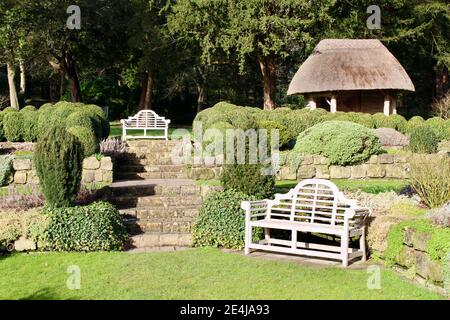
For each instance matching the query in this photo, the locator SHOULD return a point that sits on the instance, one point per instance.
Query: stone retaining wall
(297, 167)
(414, 260)
(98, 171)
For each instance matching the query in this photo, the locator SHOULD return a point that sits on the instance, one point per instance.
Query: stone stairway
(158, 203)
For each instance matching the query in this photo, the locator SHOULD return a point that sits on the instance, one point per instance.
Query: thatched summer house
(351, 75)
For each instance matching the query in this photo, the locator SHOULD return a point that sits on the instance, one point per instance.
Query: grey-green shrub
(13, 126)
(399, 122)
(87, 138)
(423, 140)
(59, 161)
(413, 123)
(342, 142)
(439, 127)
(96, 227)
(380, 120)
(221, 221)
(5, 169)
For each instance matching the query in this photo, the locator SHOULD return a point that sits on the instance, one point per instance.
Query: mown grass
(192, 274)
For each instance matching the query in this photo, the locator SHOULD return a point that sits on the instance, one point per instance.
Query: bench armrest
(358, 215)
(254, 208)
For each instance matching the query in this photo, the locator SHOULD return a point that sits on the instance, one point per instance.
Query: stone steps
(124, 176)
(156, 201)
(133, 168)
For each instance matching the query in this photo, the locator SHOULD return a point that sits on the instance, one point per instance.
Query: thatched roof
(337, 65)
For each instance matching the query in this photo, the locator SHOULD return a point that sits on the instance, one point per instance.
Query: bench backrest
(146, 119)
(312, 201)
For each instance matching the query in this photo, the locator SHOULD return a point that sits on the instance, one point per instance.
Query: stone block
(88, 176)
(428, 269)
(169, 239)
(373, 160)
(106, 164)
(416, 239)
(306, 172)
(319, 160)
(376, 171)
(150, 240)
(340, 172)
(287, 174)
(22, 164)
(322, 171)
(385, 158)
(406, 257)
(359, 172)
(307, 160)
(24, 244)
(107, 176)
(98, 176)
(20, 177)
(396, 171)
(209, 161)
(185, 240)
(91, 163)
(399, 158)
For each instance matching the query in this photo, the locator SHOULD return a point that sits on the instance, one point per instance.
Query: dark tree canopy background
(179, 57)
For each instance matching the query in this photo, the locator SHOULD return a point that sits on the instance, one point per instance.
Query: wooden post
(333, 106)
(387, 104)
(394, 105)
(311, 103)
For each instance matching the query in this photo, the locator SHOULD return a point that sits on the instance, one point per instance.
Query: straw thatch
(337, 65)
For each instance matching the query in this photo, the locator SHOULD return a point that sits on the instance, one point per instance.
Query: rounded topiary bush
(59, 162)
(87, 138)
(284, 134)
(82, 119)
(342, 142)
(221, 221)
(414, 122)
(47, 119)
(399, 122)
(423, 140)
(30, 125)
(2, 131)
(28, 108)
(13, 126)
(365, 120)
(99, 118)
(380, 120)
(439, 127)
(96, 227)
(249, 179)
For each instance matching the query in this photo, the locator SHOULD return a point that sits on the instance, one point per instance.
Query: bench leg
(267, 235)
(362, 244)
(166, 133)
(124, 134)
(294, 239)
(248, 238)
(344, 249)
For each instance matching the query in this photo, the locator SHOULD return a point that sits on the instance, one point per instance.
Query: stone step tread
(121, 176)
(159, 239)
(160, 200)
(136, 168)
(158, 212)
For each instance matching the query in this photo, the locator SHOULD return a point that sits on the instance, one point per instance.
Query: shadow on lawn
(43, 294)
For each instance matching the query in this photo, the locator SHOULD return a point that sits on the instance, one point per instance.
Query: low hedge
(221, 221)
(96, 227)
(342, 142)
(13, 126)
(30, 125)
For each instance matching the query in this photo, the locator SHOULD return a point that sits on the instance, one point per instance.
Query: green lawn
(116, 131)
(191, 274)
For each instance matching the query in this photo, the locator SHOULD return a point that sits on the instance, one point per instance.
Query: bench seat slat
(299, 226)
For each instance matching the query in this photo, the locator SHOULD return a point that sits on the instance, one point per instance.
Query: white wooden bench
(314, 206)
(145, 120)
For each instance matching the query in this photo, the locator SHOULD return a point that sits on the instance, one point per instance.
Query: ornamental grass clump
(430, 178)
(342, 142)
(59, 161)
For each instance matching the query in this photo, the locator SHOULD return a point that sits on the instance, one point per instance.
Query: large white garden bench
(314, 206)
(145, 120)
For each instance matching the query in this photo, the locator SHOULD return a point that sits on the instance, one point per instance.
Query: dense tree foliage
(182, 56)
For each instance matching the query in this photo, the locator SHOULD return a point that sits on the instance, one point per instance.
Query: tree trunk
(442, 83)
(23, 79)
(14, 101)
(269, 73)
(62, 84)
(147, 91)
(69, 67)
(201, 100)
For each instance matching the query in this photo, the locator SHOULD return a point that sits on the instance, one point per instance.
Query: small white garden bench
(145, 120)
(314, 206)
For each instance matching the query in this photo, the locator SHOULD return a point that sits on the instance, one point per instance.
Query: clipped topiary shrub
(439, 127)
(248, 179)
(87, 138)
(30, 125)
(423, 140)
(380, 120)
(99, 118)
(221, 221)
(366, 120)
(46, 119)
(82, 119)
(285, 135)
(96, 227)
(5, 169)
(413, 123)
(342, 142)
(13, 126)
(59, 162)
(399, 122)
(28, 108)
